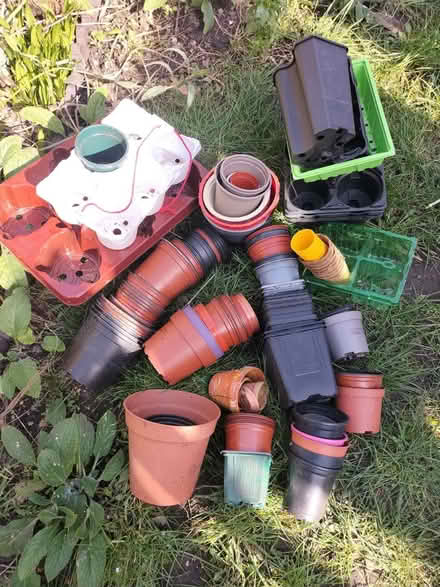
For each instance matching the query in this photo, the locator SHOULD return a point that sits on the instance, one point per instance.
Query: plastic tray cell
(69, 260)
(379, 262)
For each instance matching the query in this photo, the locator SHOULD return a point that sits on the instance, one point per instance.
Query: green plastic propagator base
(379, 262)
(379, 137)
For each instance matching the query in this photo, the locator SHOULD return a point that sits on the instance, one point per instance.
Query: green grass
(381, 527)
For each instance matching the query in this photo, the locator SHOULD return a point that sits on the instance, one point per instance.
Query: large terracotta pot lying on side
(165, 460)
(243, 389)
(363, 408)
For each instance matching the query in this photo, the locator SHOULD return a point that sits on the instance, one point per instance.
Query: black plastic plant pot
(202, 251)
(360, 190)
(319, 419)
(299, 366)
(309, 489)
(171, 420)
(314, 458)
(5, 342)
(358, 146)
(222, 246)
(94, 359)
(323, 68)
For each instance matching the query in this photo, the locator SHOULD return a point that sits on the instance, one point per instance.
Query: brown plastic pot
(221, 325)
(360, 380)
(193, 338)
(171, 356)
(247, 313)
(204, 315)
(165, 461)
(226, 387)
(318, 447)
(234, 316)
(244, 180)
(249, 433)
(269, 247)
(363, 408)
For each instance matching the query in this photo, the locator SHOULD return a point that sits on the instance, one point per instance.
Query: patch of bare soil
(186, 572)
(424, 279)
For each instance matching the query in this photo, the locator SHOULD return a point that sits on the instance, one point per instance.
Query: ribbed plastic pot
(231, 205)
(346, 336)
(226, 389)
(315, 445)
(363, 408)
(320, 419)
(309, 488)
(164, 460)
(330, 441)
(249, 434)
(246, 478)
(273, 271)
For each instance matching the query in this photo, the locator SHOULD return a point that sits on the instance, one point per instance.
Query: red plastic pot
(363, 408)
(363, 380)
(164, 460)
(249, 434)
(244, 180)
(222, 339)
(193, 338)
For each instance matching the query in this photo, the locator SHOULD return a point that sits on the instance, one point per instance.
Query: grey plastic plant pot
(276, 271)
(209, 197)
(101, 147)
(243, 163)
(233, 206)
(345, 335)
(246, 478)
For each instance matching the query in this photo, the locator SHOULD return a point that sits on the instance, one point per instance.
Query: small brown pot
(249, 433)
(363, 408)
(360, 380)
(226, 388)
(165, 461)
(253, 396)
(318, 447)
(171, 356)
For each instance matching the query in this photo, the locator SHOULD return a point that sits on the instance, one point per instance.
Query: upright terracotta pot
(164, 460)
(363, 408)
(249, 433)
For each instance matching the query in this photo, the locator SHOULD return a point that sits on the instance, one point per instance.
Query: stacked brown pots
(360, 397)
(116, 326)
(238, 390)
(197, 337)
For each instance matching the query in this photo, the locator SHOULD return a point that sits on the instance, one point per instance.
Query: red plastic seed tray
(69, 260)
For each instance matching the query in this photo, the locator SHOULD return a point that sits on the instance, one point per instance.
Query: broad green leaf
(89, 485)
(70, 496)
(155, 91)
(17, 445)
(27, 337)
(8, 145)
(152, 5)
(56, 411)
(95, 108)
(70, 518)
(105, 435)
(33, 580)
(35, 550)
(96, 518)
(43, 117)
(90, 562)
(23, 372)
(13, 355)
(64, 439)
(53, 344)
(196, 3)
(48, 515)
(43, 439)
(7, 388)
(39, 499)
(113, 467)
(51, 468)
(208, 16)
(86, 438)
(18, 160)
(60, 553)
(15, 313)
(26, 488)
(15, 535)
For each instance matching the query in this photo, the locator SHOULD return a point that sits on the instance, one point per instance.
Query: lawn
(381, 527)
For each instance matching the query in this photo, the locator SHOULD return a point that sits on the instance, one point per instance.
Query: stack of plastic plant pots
(197, 337)
(248, 457)
(115, 328)
(239, 196)
(316, 455)
(240, 390)
(295, 348)
(335, 128)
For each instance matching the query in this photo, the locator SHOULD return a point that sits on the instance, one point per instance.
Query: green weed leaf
(43, 117)
(15, 535)
(113, 467)
(208, 16)
(27, 337)
(43, 439)
(21, 373)
(12, 273)
(152, 5)
(64, 439)
(53, 344)
(56, 411)
(86, 433)
(48, 515)
(90, 562)
(155, 91)
(96, 518)
(70, 496)
(9, 145)
(105, 435)
(38, 499)
(50, 467)
(95, 108)
(33, 580)
(17, 445)
(15, 313)
(24, 489)
(89, 485)
(35, 550)
(17, 160)
(70, 518)
(60, 553)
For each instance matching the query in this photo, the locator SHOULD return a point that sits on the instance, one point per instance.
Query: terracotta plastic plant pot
(171, 355)
(231, 205)
(222, 341)
(331, 266)
(248, 314)
(221, 329)
(226, 387)
(244, 181)
(243, 163)
(363, 380)
(269, 247)
(244, 433)
(317, 446)
(331, 441)
(193, 338)
(363, 408)
(164, 460)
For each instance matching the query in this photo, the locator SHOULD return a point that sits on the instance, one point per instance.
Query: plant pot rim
(378, 392)
(260, 233)
(241, 226)
(317, 447)
(329, 441)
